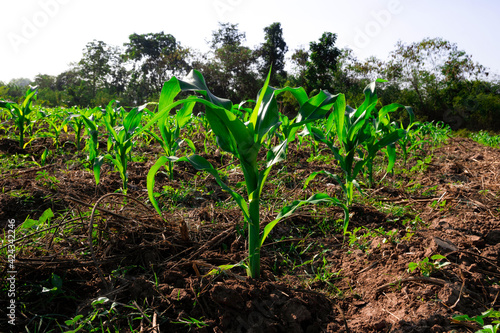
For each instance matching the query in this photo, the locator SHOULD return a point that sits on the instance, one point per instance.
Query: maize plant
(20, 113)
(122, 142)
(92, 145)
(358, 141)
(57, 124)
(244, 140)
(384, 136)
(76, 121)
(169, 138)
(413, 139)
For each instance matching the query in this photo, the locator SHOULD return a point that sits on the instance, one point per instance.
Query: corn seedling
(21, 113)
(169, 138)
(486, 139)
(92, 144)
(122, 142)
(354, 132)
(383, 134)
(56, 126)
(76, 121)
(244, 140)
(494, 327)
(414, 139)
(426, 267)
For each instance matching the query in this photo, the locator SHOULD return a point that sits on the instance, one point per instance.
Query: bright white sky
(45, 36)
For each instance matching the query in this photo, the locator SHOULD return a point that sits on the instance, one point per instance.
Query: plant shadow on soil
(155, 270)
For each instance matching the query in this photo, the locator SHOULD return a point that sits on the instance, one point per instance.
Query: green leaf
(290, 209)
(438, 257)
(412, 266)
(222, 268)
(327, 173)
(150, 180)
(339, 117)
(370, 96)
(190, 145)
(29, 223)
(98, 161)
(391, 156)
(183, 116)
(388, 139)
(56, 282)
(194, 81)
(267, 115)
(47, 214)
(276, 154)
(255, 114)
(219, 120)
(200, 163)
(316, 107)
(299, 93)
(356, 127)
(385, 110)
(169, 91)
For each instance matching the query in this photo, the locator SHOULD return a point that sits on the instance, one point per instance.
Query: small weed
(422, 165)
(413, 224)
(16, 161)
(26, 195)
(430, 191)
(363, 242)
(46, 180)
(426, 267)
(191, 322)
(395, 210)
(491, 313)
(442, 205)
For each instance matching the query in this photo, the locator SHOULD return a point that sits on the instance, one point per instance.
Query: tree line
(435, 77)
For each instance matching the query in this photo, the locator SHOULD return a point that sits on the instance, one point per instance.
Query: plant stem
(170, 170)
(254, 239)
(21, 134)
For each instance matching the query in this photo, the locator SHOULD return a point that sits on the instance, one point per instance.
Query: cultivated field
(331, 221)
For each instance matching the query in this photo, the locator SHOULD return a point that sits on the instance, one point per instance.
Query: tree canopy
(435, 77)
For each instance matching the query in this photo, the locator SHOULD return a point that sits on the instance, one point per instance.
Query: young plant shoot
(244, 140)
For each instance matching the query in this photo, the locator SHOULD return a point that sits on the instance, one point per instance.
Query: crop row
(355, 136)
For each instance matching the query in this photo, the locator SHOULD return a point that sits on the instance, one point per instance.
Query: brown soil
(312, 279)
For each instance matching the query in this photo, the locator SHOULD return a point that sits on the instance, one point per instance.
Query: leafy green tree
(17, 88)
(94, 65)
(478, 102)
(76, 91)
(352, 75)
(102, 68)
(45, 81)
(230, 67)
(315, 68)
(47, 93)
(272, 52)
(432, 72)
(4, 91)
(323, 62)
(155, 58)
(228, 34)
